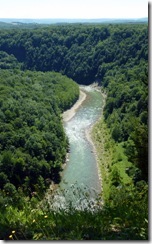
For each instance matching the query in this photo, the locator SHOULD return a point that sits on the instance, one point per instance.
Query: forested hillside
(32, 140)
(82, 52)
(114, 55)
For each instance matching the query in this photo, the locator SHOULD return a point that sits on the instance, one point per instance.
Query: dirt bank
(68, 114)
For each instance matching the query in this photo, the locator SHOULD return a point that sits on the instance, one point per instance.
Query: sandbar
(68, 114)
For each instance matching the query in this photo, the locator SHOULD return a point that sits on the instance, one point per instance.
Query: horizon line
(74, 18)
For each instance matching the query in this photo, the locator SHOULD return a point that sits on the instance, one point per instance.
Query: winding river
(81, 171)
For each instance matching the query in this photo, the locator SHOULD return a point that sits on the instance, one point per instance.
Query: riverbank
(91, 139)
(68, 114)
(91, 112)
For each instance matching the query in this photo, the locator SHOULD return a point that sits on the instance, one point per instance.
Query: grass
(111, 157)
(104, 151)
(117, 220)
(121, 163)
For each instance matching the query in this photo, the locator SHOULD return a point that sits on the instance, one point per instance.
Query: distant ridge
(56, 21)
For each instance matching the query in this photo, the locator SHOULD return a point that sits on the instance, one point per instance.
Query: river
(81, 171)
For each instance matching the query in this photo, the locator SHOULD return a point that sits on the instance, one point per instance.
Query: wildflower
(10, 236)
(45, 216)
(13, 231)
(33, 220)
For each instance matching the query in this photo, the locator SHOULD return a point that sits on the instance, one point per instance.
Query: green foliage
(119, 219)
(124, 191)
(33, 143)
(82, 52)
(114, 55)
(8, 61)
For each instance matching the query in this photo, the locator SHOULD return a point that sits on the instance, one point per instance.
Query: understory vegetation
(39, 68)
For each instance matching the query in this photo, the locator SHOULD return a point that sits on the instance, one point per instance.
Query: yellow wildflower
(45, 216)
(13, 231)
(33, 220)
(10, 236)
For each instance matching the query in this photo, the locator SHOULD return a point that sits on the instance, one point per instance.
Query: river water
(81, 171)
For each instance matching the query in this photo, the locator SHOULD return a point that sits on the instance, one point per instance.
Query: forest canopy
(82, 52)
(116, 56)
(32, 140)
(39, 71)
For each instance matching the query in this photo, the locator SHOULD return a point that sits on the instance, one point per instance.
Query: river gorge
(81, 175)
(81, 172)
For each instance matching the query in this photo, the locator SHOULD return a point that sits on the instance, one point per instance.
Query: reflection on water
(81, 170)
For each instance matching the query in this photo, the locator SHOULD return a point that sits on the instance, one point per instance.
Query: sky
(73, 9)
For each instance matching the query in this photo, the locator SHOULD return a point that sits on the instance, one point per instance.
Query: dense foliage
(32, 140)
(122, 218)
(82, 52)
(126, 114)
(125, 194)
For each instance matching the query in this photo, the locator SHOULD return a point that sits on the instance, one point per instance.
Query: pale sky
(73, 9)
